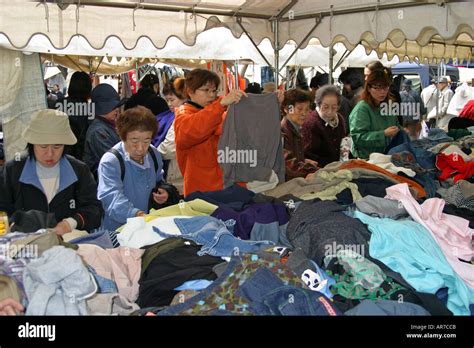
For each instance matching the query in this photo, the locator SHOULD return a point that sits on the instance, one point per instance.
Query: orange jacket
(197, 133)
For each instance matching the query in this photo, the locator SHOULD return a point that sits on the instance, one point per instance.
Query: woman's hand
(391, 131)
(233, 97)
(161, 196)
(313, 163)
(280, 96)
(140, 213)
(63, 227)
(9, 306)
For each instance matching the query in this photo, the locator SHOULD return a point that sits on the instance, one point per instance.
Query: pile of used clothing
(389, 236)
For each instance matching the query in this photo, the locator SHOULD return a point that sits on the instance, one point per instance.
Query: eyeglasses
(380, 88)
(207, 90)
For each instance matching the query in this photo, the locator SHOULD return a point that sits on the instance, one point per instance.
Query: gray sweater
(250, 146)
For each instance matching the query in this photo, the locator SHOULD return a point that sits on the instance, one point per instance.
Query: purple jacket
(257, 213)
(165, 120)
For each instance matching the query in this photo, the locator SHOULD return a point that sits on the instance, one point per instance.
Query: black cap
(105, 99)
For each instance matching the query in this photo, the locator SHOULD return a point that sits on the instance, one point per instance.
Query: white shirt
(49, 179)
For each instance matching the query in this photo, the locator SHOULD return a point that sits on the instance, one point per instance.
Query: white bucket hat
(49, 127)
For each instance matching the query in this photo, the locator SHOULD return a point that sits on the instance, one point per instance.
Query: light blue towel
(408, 248)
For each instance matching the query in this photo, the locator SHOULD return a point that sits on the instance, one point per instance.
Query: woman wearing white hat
(50, 181)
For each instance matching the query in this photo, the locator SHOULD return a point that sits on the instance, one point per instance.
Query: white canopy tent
(213, 44)
(441, 28)
(427, 29)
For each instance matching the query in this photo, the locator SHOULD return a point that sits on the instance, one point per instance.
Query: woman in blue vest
(131, 170)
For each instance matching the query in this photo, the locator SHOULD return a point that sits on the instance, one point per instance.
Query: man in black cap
(148, 97)
(101, 135)
(415, 107)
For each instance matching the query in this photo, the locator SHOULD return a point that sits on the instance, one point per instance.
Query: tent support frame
(344, 56)
(358, 10)
(239, 22)
(276, 32)
(318, 21)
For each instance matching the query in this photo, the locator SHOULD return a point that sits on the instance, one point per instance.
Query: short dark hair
(30, 149)
(294, 96)
(176, 87)
(319, 80)
(353, 78)
(199, 77)
(374, 65)
(378, 76)
(254, 88)
(149, 81)
(137, 118)
(327, 90)
(80, 86)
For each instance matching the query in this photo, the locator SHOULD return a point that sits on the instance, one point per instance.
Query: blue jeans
(105, 285)
(268, 295)
(214, 236)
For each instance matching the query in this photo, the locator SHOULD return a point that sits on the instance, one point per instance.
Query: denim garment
(221, 296)
(103, 238)
(106, 286)
(438, 135)
(268, 295)
(429, 183)
(255, 289)
(214, 236)
(272, 232)
(289, 300)
(419, 148)
(424, 157)
(399, 139)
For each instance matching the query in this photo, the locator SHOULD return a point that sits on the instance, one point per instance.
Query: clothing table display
(348, 240)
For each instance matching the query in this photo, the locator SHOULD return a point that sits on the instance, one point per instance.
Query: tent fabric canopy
(396, 27)
(436, 49)
(99, 66)
(213, 44)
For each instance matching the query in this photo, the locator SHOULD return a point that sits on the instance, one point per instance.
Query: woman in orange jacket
(198, 125)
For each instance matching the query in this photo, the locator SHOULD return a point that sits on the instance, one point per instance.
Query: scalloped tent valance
(441, 28)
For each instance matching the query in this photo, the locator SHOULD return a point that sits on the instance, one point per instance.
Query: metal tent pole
(331, 64)
(276, 27)
(236, 68)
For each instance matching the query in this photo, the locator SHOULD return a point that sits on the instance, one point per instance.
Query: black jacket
(78, 200)
(79, 123)
(149, 99)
